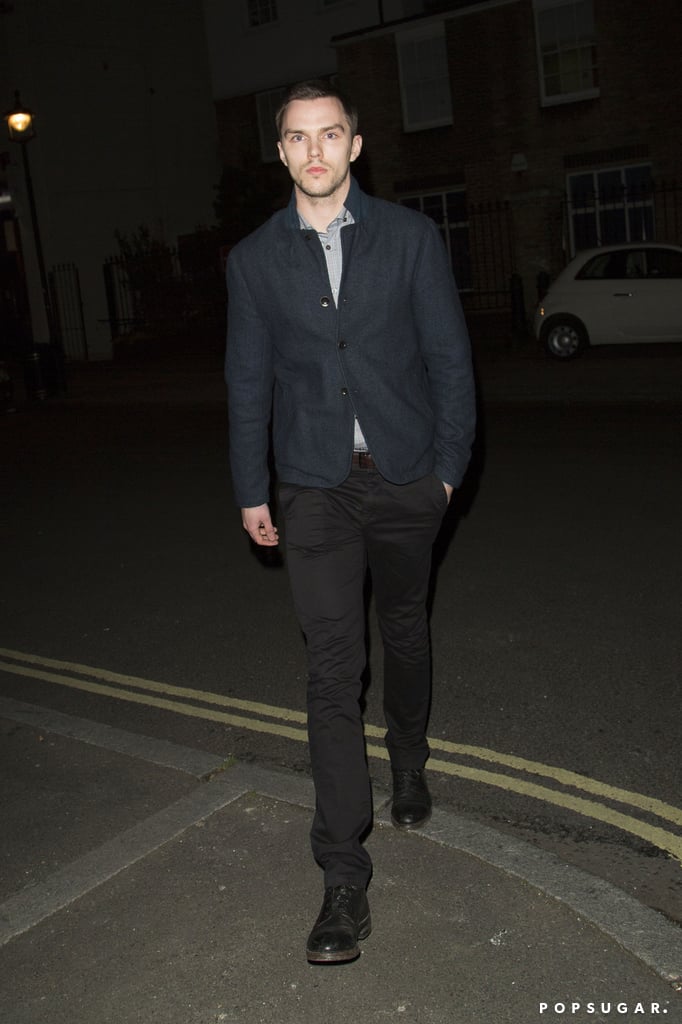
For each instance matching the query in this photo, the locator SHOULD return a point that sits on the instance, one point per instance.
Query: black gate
(491, 257)
(67, 306)
(492, 296)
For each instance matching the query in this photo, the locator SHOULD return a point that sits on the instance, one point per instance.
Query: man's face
(317, 146)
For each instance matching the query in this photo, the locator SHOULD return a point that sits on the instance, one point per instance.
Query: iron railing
(67, 306)
(164, 292)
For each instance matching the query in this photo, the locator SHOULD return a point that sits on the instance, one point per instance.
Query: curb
(637, 929)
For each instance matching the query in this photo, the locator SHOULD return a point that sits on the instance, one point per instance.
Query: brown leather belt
(363, 460)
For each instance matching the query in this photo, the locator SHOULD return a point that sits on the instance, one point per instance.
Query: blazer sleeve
(446, 351)
(249, 377)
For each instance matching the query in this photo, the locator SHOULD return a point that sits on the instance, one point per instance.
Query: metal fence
(165, 292)
(169, 292)
(487, 285)
(67, 308)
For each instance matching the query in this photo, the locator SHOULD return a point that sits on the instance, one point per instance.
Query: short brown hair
(316, 89)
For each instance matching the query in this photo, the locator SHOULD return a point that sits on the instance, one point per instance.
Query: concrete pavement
(147, 882)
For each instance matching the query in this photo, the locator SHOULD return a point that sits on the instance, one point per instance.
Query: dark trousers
(332, 536)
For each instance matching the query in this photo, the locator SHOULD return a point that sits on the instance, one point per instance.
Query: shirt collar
(343, 217)
(356, 204)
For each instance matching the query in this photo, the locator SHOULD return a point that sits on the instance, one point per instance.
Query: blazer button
(325, 301)
(344, 391)
(342, 344)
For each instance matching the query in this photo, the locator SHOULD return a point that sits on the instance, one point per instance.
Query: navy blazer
(394, 351)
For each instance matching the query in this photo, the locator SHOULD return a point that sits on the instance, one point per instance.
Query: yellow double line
(290, 724)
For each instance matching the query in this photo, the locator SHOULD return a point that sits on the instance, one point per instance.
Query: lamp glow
(20, 121)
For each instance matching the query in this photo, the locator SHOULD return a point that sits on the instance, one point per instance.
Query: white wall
(125, 131)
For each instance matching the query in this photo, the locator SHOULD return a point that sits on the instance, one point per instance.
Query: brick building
(527, 128)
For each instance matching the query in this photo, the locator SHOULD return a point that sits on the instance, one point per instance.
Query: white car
(616, 294)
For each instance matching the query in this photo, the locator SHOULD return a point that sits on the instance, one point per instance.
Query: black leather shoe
(411, 798)
(343, 919)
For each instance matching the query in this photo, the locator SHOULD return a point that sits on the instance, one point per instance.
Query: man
(345, 323)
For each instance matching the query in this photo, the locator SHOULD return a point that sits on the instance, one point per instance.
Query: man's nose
(314, 147)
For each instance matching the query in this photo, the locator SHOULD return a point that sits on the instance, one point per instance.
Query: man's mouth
(316, 169)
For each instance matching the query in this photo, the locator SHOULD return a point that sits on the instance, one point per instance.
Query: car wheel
(564, 337)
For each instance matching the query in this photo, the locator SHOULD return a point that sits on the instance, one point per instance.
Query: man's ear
(355, 148)
(281, 154)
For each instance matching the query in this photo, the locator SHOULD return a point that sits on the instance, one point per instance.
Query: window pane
(546, 28)
(563, 28)
(664, 263)
(584, 231)
(456, 206)
(638, 181)
(424, 79)
(433, 207)
(572, 71)
(552, 85)
(613, 226)
(635, 264)
(461, 257)
(610, 184)
(641, 223)
(584, 20)
(261, 12)
(605, 266)
(567, 48)
(594, 270)
(581, 189)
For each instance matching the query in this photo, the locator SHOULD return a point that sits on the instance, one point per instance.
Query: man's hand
(448, 490)
(258, 524)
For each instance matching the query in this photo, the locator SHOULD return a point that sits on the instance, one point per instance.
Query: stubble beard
(327, 191)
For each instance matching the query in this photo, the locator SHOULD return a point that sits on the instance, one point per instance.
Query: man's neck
(320, 212)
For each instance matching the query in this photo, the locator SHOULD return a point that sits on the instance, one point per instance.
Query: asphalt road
(129, 595)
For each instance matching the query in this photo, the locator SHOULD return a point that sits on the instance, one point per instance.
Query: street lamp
(21, 129)
(20, 122)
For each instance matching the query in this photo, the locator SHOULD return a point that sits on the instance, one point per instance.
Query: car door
(600, 296)
(648, 301)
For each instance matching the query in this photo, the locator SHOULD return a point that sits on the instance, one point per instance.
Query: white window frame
(411, 38)
(628, 200)
(259, 8)
(579, 51)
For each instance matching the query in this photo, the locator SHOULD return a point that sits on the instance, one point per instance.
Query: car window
(635, 263)
(604, 266)
(664, 263)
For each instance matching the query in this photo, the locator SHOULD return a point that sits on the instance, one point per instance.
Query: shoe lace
(405, 779)
(341, 897)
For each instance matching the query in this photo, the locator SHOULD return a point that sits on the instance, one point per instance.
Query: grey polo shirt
(333, 254)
